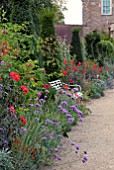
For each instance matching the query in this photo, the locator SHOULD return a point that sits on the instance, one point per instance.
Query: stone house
(98, 14)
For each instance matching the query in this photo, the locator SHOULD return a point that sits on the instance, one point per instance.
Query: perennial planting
(35, 119)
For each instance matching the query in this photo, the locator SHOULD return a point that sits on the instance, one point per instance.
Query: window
(106, 7)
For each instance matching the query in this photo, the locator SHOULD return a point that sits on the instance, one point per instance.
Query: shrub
(92, 39)
(76, 46)
(49, 45)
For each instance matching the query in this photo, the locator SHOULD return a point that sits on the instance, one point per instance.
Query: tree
(20, 11)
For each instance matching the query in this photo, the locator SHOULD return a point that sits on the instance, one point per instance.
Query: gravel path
(96, 135)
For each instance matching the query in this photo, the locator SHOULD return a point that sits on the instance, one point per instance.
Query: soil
(95, 135)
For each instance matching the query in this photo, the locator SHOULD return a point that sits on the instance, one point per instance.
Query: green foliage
(49, 44)
(25, 46)
(19, 12)
(76, 46)
(92, 39)
(6, 160)
(106, 50)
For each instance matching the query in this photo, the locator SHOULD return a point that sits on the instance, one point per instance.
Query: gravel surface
(96, 135)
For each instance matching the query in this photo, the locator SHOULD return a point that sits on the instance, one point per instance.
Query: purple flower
(38, 105)
(31, 105)
(1, 85)
(85, 158)
(4, 31)
(73, 107)
(56, 149)
(37, 119)
(1, 129)
(75, 89)
(42, 101)
(85, 152)
(61, 147)
(23, 129)
(78, 111)
(83, 161)
(64, 110)
(64, 92)
(59, 136)
(77, 147)
(71, 119)
(80, 119)
(45, 97)
(46, 91)
(51, 135)
(72, 98)
(59, 107)
(44, 138)
(48, 121)
(39, 94)
(3, 63)
(56, 123)
(69, 94)
(72, 143)
(57, 157)
(68, 115)
(64, 103)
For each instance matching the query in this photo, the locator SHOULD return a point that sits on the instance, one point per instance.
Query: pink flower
(4, 31)
(39, 94)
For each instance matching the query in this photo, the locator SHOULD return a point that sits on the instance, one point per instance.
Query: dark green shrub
(92, 39)
(76, 47)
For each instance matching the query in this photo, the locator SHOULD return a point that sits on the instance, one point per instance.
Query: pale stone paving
(96, 135)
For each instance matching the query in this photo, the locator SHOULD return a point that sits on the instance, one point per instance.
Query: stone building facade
(98, 14)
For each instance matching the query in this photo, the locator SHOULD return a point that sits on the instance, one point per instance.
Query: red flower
(84, 72)
(11, 108)
(71, 81)
(24, 89)
(23, 120)
(65, 87)
(15, 76)
(94, 68)
(99, 69)
(0, 77)
(85, 64)
(72, 62)
(79, 63)
(64, 73)
(65, 62)
(47, 86)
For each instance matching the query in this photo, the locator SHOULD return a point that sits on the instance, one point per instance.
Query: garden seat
(58, 85)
